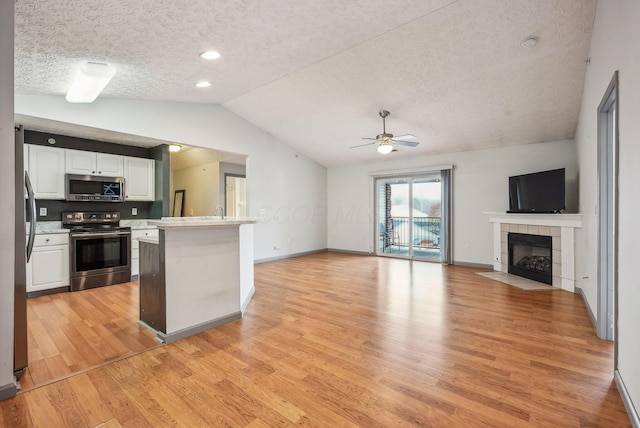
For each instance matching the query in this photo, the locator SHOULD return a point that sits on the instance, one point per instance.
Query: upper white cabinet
(46, 170)
(90, 163)
(47, 167)
(139, 179)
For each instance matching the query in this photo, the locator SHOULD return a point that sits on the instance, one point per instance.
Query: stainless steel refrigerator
(25, 212)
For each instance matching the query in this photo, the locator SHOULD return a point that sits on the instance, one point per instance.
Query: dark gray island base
(195, 276)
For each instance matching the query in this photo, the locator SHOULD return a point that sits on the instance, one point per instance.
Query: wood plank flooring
(341, 340)
(71, 332)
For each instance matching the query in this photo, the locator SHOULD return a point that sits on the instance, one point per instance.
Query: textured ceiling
(315, 73)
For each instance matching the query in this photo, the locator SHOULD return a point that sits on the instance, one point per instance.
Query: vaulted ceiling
(315, 73)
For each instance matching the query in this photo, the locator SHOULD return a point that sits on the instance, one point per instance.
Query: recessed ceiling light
(529, 42)
(203, 84)
(210, 55)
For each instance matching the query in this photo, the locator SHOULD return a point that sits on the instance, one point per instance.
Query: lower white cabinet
(49, 264)
(135, 247)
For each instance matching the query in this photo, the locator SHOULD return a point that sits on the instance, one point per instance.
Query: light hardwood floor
(340, 340)
(72, 332)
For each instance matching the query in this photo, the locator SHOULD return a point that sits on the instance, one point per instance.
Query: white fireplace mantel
(567, 224)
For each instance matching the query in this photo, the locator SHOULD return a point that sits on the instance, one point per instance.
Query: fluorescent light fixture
(89, 82)
(203, 84)
(385, 148)
(174, 148)
(210, 55)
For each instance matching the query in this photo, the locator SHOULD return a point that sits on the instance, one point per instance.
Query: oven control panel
(84, 218)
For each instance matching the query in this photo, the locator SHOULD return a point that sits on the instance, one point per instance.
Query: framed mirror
(178, 203)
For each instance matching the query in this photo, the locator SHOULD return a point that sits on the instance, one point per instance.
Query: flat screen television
(539, 192)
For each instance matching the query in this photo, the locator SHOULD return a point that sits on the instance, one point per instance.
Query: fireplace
(530, 256)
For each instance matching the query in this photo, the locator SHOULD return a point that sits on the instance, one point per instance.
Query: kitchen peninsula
(196, 275)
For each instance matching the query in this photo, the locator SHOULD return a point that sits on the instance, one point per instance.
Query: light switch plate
(43, 212)
(134, 211)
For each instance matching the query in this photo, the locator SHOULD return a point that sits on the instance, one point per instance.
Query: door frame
(224, 195)
(607, 319)
(445, 174)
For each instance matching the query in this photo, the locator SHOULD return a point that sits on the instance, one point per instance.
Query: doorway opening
(608, 211)
(235, 198)
(413, 216)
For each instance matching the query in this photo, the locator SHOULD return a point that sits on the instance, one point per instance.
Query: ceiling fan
(386, 142)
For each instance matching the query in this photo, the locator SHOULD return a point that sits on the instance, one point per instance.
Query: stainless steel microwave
(94, 188)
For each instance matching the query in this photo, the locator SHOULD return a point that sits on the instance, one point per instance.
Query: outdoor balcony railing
(426, 232)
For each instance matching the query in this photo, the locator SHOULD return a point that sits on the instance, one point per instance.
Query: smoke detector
(529, 42)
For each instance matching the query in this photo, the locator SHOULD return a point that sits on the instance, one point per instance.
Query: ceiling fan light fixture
(91, 79)
(203, 84)
(385, 149)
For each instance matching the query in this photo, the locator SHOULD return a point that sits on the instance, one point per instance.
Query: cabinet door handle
(46, 240)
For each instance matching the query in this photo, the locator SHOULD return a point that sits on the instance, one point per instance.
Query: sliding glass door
(412, 216)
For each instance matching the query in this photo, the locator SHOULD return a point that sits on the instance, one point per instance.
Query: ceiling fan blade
(406, 143)
(404, 137)
(365, 144)
(367, 138)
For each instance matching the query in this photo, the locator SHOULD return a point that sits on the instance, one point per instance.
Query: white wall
(7, 206)
(480, 184)
(285, 189)
(614, 46)
(201, 187)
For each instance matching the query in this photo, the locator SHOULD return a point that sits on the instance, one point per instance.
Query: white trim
(409, 171)
(626, 399)
(497, 246)
(560, 220)
(567, 224)
(568, 256)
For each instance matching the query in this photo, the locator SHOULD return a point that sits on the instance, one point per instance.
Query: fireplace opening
(530, 256)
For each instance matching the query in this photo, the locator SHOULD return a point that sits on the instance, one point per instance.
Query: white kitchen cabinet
(139, 179)
(90, 163)
(49, 264)
(135, 247)
(46, 170)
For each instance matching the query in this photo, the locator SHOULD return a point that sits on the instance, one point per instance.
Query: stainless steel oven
(100, 249)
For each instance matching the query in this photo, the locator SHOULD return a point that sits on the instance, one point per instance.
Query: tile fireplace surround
(560, 227)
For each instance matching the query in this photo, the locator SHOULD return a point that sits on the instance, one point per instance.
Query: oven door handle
(99, 235)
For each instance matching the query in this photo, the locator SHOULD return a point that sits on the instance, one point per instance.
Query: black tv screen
(539, 192)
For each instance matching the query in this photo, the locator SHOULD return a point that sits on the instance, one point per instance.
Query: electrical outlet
(134, 211)
(467, 246)
(43, 212)
(276, 248)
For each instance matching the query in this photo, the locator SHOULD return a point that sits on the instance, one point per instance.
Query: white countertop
(149, 239)
(206, 221)
(49, 227)
(52, 227)
(136, 224)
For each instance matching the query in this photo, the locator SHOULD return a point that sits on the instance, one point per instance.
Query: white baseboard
(8, 391)
(288, 256)
(247, 300)
(626, 399)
